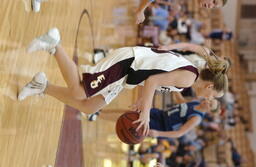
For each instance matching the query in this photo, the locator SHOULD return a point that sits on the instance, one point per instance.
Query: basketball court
(42, 131)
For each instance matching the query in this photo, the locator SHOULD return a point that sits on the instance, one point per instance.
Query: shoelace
(37, 85)
(47, 39)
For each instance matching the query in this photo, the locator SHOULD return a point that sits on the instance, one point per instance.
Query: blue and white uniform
(175, 117)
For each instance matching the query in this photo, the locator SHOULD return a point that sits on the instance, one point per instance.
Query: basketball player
(174, 122)
(179, 119)
(209, 4)
(97, 86)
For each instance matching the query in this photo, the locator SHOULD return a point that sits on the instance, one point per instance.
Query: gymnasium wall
(230, 14)
(247, 48)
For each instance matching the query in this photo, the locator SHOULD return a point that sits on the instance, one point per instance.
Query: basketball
(126, 130)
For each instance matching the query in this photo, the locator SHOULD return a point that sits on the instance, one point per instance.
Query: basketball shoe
(93, 117)
(98, 55)
(36, 5)
(35, 87)
(47, 42)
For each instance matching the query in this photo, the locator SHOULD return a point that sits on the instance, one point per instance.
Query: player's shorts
(107, 78)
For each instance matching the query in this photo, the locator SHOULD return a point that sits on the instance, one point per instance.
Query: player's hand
(153, 133)
(143, 122)
(136, 106)
(158, 165)
(140, 17)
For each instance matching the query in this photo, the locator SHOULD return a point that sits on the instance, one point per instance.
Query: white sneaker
(36, 5)
(35, 87)
(47, 42)
(93, 117)
(98, 55)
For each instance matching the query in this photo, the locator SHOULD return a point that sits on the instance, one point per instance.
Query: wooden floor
(30, 130)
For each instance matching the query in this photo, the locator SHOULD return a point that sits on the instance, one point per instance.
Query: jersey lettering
(174, 109)
(182, 108)
(95, 83)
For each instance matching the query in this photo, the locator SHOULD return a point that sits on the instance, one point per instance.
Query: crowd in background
(167, 22)
(170, 22)
(188, 151)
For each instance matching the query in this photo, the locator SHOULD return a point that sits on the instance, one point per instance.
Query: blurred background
(34, 133)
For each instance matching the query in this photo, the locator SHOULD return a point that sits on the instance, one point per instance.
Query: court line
(70, 147)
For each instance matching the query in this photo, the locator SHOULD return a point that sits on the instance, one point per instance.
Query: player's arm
(188, 126)
(178, 98)
(165, 79)
(140, 17)
(185, 47)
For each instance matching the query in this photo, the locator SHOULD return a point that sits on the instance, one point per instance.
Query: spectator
(220, 34)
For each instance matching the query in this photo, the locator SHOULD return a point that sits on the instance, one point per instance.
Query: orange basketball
(126, 130)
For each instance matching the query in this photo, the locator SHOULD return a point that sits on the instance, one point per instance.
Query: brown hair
(215, 71)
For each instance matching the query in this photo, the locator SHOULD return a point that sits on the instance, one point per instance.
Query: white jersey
(129, 67)
(198, 61)
(156, 61)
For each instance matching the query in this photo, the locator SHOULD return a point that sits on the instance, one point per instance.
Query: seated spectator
(220, 34)
(184, 24)
(160, 17)
(196, 35)
(202, 3)
(148, 151)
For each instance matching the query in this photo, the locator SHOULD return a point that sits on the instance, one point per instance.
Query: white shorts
(109, 75)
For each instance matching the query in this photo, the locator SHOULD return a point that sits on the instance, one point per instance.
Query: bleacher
(238, 82)
(218, 153)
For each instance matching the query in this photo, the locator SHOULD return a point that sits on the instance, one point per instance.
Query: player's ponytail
(215, 71)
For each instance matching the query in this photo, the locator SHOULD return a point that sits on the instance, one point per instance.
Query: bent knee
(93, 104)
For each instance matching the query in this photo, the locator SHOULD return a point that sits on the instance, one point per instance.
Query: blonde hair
(217, 108)
(215, 71)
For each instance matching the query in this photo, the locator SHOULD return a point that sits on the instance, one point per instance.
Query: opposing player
(97, 86)
(209, 4)
(180, 119)
(174, 122)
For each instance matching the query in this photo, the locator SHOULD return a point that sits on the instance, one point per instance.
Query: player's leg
(107, 114)
(111, 114)
(87, 106)
(50, 42)
(40, 85)
(69, 71)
